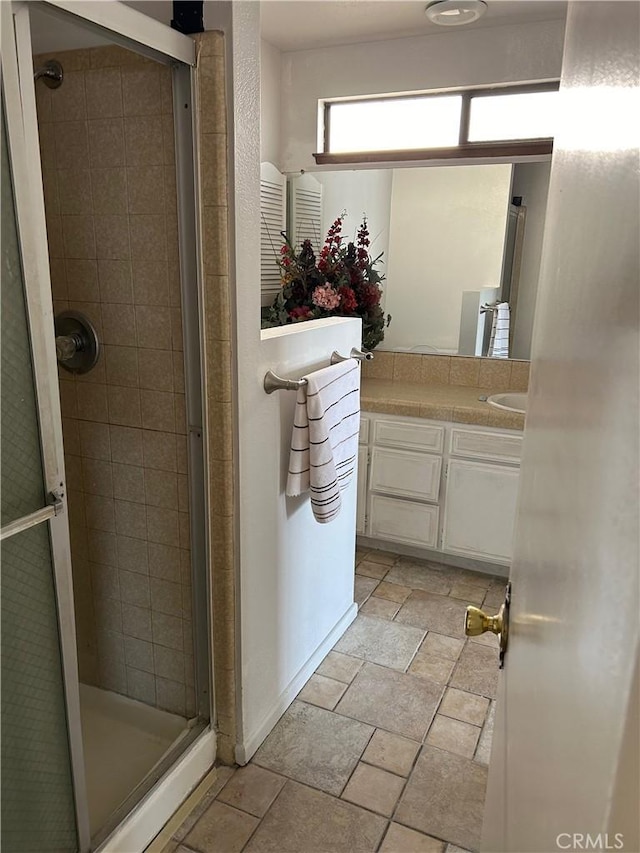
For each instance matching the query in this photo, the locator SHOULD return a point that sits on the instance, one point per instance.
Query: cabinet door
(480, 510)
(404, 521)
(361, 508)
(402, 472)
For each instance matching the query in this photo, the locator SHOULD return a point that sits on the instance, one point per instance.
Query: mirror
(453, 242)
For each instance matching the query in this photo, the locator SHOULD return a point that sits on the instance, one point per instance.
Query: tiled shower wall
(110, 193)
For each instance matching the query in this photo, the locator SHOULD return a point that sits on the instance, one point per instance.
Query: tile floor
(386, 747)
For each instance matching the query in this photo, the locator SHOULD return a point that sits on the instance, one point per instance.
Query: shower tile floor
(386, 747)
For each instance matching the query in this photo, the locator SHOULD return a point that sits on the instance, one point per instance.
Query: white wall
(531, 181)
(467, 58)
(447, 235)
(359, 192)
(270, 103)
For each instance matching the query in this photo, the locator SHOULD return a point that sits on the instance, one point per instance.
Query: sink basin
(511, 401)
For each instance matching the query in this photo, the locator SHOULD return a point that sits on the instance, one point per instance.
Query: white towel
(324, 443)
(499, 343)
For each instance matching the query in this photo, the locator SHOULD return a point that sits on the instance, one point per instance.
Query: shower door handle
(53, 508)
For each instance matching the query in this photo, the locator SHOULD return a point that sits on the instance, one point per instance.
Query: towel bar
(273, 382)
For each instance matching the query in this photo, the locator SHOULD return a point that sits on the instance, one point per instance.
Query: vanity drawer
(415, 436)
(477, 444)
(403, 472)
(364, 431)
(403, 521)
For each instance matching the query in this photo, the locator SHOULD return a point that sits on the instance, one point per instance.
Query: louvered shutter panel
(305, 211)
(273, 187)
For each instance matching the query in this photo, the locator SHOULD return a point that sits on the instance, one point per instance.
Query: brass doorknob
(477, 622)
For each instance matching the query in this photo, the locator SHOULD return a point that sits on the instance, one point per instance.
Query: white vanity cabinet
(445, 487)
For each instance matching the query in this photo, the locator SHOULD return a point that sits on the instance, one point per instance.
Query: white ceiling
(304, 24)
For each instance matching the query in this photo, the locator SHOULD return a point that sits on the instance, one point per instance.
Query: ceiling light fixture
(454, 13)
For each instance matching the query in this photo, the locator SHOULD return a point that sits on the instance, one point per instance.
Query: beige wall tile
(104, 580)
(170, 695)
(153, 324)
(470, 416)
(74, 191)
(160, 450)
(170, 186)
(58, 274)
(150, 282)
(178, 372)
(161, 489)
(167, 630)
(92, 402)
(218, 311)
(141, 686)
(169, 663)
(168, 140)
(495, 374)
(134, 588)
(124, 406)
(128, 483)
(79, 237)
(68, 398)
(213, 113)
(112, 237)
(145, 189)
(211, 43)
(109, 189)
(93, 440)
(177, 342)
(163, 526)
(380, 367)
(158, 410)
(68, 103)
(133, 554)
(148, 237)
(114, 277)
(520, 375)
(407, 367)
(100, 513)
(181, 454)
(72, 145)
(221, 435)
(54, 236)
(215, 240)
(464, 371)
(164, 561)
(136, 622)
(138, 654)
(166, 91)
(131, 519)
(122, 365)
(104, 93)
(156, 369)
(219, 371)
(184, 530)
(82, 280)
(126, 445)
(97, 478)
(436, 369)
(143, 141)
(141, 91)
(180, 407)
(118, 325)
(106, 143)
(214, 169)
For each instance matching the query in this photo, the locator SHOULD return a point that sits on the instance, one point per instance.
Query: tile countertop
(458, 403)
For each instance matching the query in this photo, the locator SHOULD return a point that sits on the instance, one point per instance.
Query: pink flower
(324, 296)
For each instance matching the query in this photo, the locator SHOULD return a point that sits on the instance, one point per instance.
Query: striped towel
(499, 343)
(324, 444)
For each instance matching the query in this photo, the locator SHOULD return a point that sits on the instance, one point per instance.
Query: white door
(564, 765)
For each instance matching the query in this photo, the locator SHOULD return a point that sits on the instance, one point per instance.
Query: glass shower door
(41, 784)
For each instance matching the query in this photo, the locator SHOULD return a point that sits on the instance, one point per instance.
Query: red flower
(349, 301)
(301, 312)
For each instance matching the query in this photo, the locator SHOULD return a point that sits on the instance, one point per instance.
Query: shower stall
(106, 664)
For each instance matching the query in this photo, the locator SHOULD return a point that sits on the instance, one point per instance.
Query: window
(461, 123)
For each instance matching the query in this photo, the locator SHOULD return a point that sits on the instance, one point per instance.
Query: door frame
(131, 29)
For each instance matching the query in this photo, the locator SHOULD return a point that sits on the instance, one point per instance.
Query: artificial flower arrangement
(341, 282)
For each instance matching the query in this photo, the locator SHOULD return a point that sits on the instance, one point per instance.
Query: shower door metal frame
(135, 31)
(31, 225)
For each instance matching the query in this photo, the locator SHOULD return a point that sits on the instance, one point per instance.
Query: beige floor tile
(453, 848)
(221, 829)
(393, 592)
(442, 646)
(252, 789)
(322, 691)
(314, 746)
(391, 700)
(444, 797)
(341, 667)
(430, 666)
(453, 735)
(220, 779)
(380, 607)
(468, 592)
(385, 558)
(486, 639)
(363, 588)
(483, 752)
(424, 577)
(374, 789)
(401, 839)
(306, 821)
(433, 612)
(380, 641)
(464, 706)
(361, 553)
(369, 569)
(477, 670)
(391, 752)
